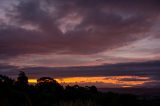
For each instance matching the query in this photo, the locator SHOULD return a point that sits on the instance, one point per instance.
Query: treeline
(48, 92)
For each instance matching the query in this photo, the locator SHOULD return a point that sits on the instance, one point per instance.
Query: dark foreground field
(47, 92)
(135, 91)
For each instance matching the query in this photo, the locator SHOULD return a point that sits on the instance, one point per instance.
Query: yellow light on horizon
(32, 81)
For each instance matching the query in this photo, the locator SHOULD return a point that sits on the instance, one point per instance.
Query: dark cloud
(149, 69)
(105, 25)
(133, 79)
(154, 84)
(9, 70)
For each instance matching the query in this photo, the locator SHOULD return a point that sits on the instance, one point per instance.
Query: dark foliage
(48, 92)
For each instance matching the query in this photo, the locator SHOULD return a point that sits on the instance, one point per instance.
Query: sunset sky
(107, 43)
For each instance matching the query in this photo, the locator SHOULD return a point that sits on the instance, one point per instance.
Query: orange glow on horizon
(114, 80)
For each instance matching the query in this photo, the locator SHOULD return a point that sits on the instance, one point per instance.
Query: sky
(107, 43)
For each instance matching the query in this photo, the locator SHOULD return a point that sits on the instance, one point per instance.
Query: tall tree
(22, 80)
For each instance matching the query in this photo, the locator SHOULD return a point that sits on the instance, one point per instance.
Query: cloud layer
(127, 73)
(75, 26)
(36, 35)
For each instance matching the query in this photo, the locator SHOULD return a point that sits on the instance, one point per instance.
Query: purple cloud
(104, 25)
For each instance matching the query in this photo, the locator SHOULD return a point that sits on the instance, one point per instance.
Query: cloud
(9, 70)
(41, 27)
(138, 72)
(36, 34)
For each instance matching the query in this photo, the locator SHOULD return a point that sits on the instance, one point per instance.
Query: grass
(77, 103)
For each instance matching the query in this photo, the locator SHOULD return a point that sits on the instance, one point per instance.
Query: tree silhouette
(48, 92)
(6, 82)
(93, 89)
(47, 83)
(22, 81)
(22, 78)
(46, 80)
